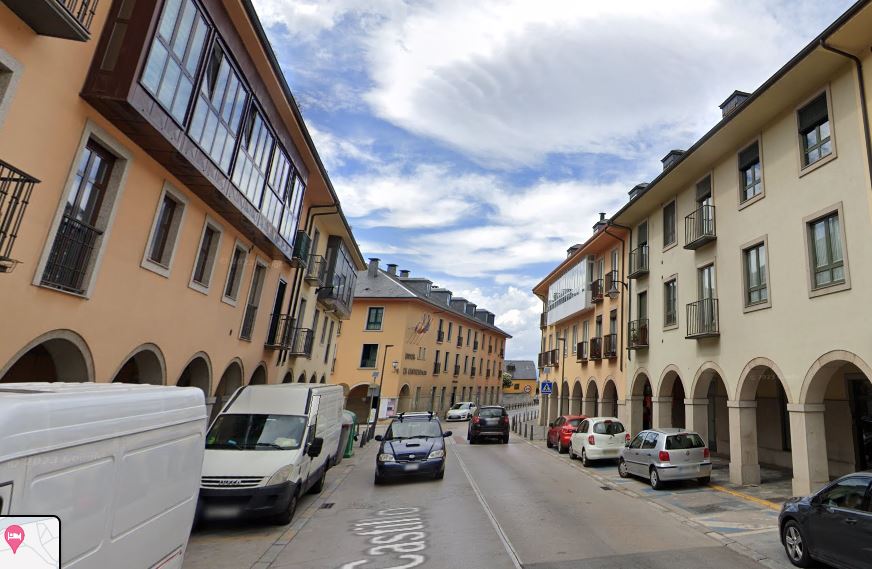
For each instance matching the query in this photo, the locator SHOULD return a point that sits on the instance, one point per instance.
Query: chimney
(733, 102)
(601, 223)
(671, 158)
(392, 269)
(373, 267)
(572, 250)
(637, 189)
(404, 274)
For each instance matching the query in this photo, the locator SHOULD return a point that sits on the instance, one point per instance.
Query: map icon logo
(14, 536)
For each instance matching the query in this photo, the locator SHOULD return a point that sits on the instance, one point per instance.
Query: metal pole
(381, 380)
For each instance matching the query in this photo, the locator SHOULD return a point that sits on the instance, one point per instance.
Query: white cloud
(517, 313)
(336, 151)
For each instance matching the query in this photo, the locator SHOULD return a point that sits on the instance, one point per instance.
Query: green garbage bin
(349, 425)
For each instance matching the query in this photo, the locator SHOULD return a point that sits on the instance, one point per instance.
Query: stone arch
(816, 381)
(706, 372)
(610, 398)
(639, 379)
(230, 381)
(591, 399)
(314, 378)
(575, 399)
(357, 401)
(289, 378)
(711, 418)
(259, 377)
(750, 378)
(641, 412)
(197, 373)
(323, 379)
(404, 399)
(58, 355)
(301, 378)
(669, 410)
(564, 398)
(145, 364)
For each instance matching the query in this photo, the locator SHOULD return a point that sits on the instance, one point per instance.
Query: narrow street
(499, 506)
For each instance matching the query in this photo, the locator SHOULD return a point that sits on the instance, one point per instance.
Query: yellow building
(524, 386)
(433, 349)
(162, 204)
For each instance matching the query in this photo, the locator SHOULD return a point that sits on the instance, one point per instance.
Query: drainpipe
(610, 223)
(863, 107)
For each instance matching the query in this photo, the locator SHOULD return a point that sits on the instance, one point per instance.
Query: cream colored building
(751, 250)
(164, 214)
(433, 349)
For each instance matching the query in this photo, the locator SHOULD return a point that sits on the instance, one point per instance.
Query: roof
(385, 285)
(524, 369)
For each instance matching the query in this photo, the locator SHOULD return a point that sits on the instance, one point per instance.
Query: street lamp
(614, 292)
(381, 379)
(561, 339)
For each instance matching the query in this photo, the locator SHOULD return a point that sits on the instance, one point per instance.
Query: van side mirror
(315, 447)
(379, 437)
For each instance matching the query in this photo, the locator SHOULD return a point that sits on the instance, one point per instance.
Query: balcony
(475, 345)
(70, 255)
(316, 270)
(440, 336)
(555, 357)
(702, 319)
(581, 351)
(456, 370)
(638, 334)
(596, 290)
(699, 227)
(338, 292)
(610, 346)
(543, 320)
(15, 190)
(472, 373)
(283, 336)
(638, 261)
(66, 19)
(596, 348)
(436, 368)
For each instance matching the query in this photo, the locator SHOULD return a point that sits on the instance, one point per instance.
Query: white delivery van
(119, 465)
(268, 446)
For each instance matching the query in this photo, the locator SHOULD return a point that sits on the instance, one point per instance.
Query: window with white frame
(374, 318)
(826, 249)
(164, 233)
(254, 294)
(670, 303)
(207, 252)
(750, 172)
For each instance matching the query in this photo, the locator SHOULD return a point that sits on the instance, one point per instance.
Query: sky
(472, 143)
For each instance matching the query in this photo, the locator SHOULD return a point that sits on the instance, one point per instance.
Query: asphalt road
(499, 506)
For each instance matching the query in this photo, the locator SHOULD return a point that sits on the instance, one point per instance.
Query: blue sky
(474, 142)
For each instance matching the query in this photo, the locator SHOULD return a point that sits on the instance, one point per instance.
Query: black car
(489, 421)
(413, 445)
(833, 526)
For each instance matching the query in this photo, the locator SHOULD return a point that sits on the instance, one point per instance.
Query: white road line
(513, 555)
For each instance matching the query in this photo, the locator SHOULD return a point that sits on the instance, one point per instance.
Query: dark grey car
(833, 525)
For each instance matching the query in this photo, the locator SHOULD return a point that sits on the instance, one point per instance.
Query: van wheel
(285, 517)
(319, 486)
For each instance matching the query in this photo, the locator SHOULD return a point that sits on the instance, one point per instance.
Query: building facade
(161, 202)
(749, 275)
(426, 348)
(582, 340)
(524, 386)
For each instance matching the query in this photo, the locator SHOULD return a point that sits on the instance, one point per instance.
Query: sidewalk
(743, 519)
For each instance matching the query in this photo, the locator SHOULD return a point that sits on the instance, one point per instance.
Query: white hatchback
(598, 438)
(461, 411)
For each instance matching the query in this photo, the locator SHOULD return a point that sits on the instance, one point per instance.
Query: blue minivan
(413, 445)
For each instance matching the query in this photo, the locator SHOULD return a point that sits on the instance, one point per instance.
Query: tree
(507, 380)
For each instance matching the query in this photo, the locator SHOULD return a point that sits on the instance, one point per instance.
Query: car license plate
(410, 467)
(692, 468)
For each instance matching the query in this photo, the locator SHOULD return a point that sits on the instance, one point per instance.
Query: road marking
(513, 555)
(750, 498)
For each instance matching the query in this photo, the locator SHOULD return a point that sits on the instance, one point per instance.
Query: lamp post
(381, 380)
(561, 339)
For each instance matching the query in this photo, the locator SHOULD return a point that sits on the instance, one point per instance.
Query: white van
(117, 463)
(270, 445)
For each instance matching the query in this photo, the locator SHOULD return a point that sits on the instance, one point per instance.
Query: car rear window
(487, 413)
(608, 428)
(684, 441)
(574, 422)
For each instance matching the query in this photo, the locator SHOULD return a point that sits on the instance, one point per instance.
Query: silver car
(662, 455)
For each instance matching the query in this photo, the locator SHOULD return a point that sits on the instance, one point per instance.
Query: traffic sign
(545, 388)
(526, 389)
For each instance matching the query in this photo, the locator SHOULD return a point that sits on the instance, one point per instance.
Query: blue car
(413, 445)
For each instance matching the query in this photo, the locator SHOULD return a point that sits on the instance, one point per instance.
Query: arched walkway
(641, 405)
(323, 379)
(575, 400)
(591, 399)
(709, 415)
(59, 355)
(197, 373)
(302, 378)
(403, 401)
(313, 379)
(358, 402)
(669, 404)
(144, 365)
(610, 399)
(259, 376)
(231, 380)
(289, 378)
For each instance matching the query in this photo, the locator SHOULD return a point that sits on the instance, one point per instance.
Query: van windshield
(256, 432)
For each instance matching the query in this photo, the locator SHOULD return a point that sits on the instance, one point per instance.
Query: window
(641, 238)
(329, 341)
(281, 174)
(374, 318)
(750, 172)
(849, 493)
(574, 338)
(670, 303)
(218, 112)
(585, 331)
(171, 69)
(465, 363)
(165, 230)
(669, 224)
(637, 441)
(10, 73)
(368, 355)
(422, 354)
(517, 386)
(254, 293)
(826, 251)
(756, 290)
(436, 360)
(291, 215)
(234, 273)
(315, 319)
(650, 441)
(323, 330)
(252, 159)
(814, 131)
(450, 325)
(445, 363)
(206, 254)
(613, 316)
(599, 327)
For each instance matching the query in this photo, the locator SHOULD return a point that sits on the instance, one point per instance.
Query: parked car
(832, 526)
(662, 455)
(489, 421)
(461, 411)
(413, 445)
(270, 445)
(561, 430)
(598, 438)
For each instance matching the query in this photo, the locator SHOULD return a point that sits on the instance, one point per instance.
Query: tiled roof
(524, 369)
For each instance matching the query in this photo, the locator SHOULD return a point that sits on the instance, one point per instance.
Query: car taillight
(663, 456)
(505, 419)
(475, 420)
(705, 452)
(591, 440)
(627, 437)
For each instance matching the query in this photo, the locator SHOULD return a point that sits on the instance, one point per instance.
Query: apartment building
(161, 201)
(581, 321)
(524, 386)
(424, 347)
(748, 273)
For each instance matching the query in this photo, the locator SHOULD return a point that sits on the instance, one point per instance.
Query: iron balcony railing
(68, 19)
(541, 360)
(610, 281)
(248, 321)
(702, 318)
(82, 10)
(555, 357)
(699, 227)
(543, 320)
(581, 351)
(638, 334)
(15, 190)
(638, 261)
(316, 270)
(440, 336)
(436, 368)
(596, 290)
(610, 346)
(297, 341)
(456, 370)
(70, 255)
(596, 348)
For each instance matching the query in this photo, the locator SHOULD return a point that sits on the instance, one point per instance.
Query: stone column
(662, 409)
(622, 412)
(587, 406)
(809, 447)
(574, 405)
(544, 409)
(696, 416)
(606, 406)
(634, 414)
(744, 464)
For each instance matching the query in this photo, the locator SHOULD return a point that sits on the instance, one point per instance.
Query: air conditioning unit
(302, 244)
